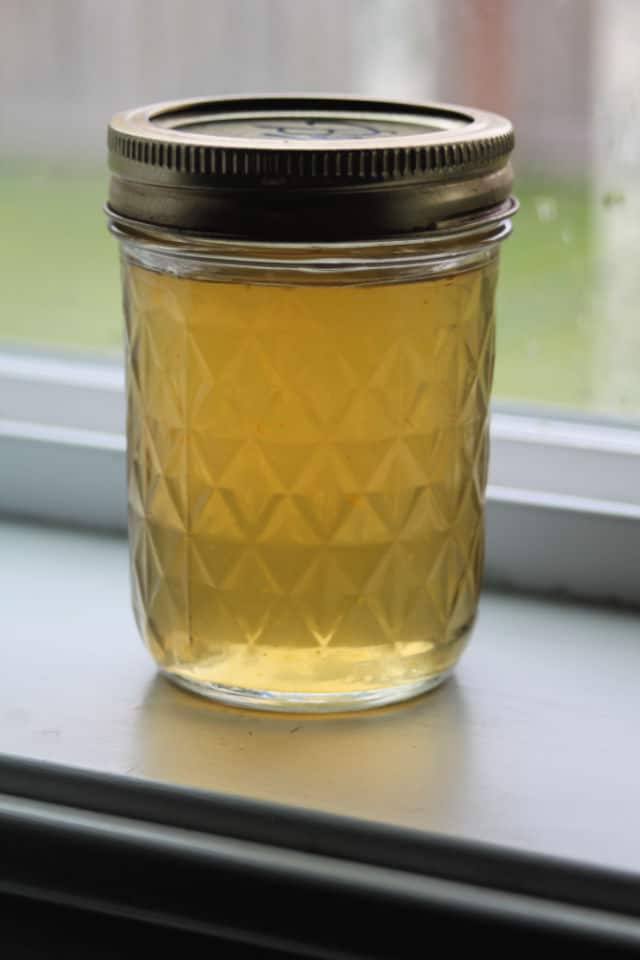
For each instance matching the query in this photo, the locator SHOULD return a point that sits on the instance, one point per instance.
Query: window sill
(523, 751)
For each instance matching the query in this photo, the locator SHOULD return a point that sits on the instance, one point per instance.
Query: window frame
(563, 500)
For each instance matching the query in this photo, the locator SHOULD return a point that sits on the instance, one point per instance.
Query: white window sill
(525, 747)
(529, 747)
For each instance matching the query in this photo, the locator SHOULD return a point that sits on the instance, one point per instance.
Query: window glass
(565, 71)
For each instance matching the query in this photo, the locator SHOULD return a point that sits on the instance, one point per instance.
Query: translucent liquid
(307, 468)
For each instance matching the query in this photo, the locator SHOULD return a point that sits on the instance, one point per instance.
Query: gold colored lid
(306, 168)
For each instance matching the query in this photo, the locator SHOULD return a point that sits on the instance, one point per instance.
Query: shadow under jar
(309, 299)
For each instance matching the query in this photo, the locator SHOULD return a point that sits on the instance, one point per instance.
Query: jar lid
(305, 168)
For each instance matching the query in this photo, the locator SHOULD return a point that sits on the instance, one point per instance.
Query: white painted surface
(533, 744)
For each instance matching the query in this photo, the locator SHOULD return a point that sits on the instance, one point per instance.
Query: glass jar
(309, 301)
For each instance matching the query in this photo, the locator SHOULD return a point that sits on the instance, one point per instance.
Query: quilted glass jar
(309, 302)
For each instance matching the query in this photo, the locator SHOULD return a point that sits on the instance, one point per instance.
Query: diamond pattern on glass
(307, 468)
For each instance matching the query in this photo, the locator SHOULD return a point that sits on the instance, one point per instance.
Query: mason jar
(309, 301)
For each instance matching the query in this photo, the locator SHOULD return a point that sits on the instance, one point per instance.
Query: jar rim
(487, 225)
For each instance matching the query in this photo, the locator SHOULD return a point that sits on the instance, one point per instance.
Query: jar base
(300, 702)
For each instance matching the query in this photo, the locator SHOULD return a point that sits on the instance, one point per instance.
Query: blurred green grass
(60, 282)
(546, 313)
(60, 274)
